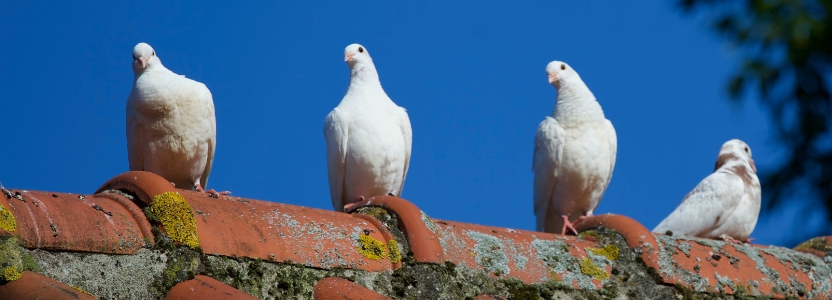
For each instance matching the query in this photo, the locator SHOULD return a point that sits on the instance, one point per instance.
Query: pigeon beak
(143, 61)
(553, 77)
(348, 56)
(753, 167)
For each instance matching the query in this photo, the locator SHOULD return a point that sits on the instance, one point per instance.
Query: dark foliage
(785, 50)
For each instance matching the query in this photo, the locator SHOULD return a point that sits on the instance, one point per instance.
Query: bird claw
(570, 225)
(214, 194)
(211, 192)
(729, 239)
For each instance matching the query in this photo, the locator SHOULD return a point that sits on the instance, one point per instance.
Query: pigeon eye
(154, 53)
(746, 150)
(563, 67)
(360, 49)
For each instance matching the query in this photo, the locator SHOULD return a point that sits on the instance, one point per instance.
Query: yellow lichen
(609, 251)
(11, 274)
(589, 268)
(177, 217)
(82, 290)
(393, 248)
(7, 221)
(371, 248)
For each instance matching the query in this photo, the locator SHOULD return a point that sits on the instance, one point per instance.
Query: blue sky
(471, 77)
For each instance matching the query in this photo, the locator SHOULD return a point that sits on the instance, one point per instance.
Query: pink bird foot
(211, 192)
(350, 205)
(214, 194)
(569, 225)
(729, 239)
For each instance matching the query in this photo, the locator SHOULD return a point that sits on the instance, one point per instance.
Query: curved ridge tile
(532, 257)
(239, 227)
(820, 246)
(714, 266)
(204, 287)
(75, 223)
(414, 223)
(135, 211)
(637, 236)
(339, 288)
(32, 286)
(143, 184)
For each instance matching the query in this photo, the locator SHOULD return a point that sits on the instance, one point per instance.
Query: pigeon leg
(749, 240)
(211, 192)
(215, 194)
(569, 225)
(729, 239)
(349, 205)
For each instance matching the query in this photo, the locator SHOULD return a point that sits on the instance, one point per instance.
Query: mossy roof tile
(254, 234)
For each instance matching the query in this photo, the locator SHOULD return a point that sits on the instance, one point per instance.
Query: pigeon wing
(336, 133)
(706, 207)
(548, 150)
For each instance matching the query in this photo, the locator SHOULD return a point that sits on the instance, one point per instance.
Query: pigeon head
(735, 153)
(357, 57)
(561, 74)
(144, 57)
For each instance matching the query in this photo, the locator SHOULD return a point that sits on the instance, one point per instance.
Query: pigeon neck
(363, 74)
(576, 102)
(154, 68)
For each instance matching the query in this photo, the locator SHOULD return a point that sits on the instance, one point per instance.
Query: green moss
(609, 251)
(589, 268)
(177, 217)
(371, 248)
(590, 232)
(518, 290)
(818, 244)
(393, 248)
(7, 221)
(377, 212)
(11, 259)
(182, 264)
(11, 274)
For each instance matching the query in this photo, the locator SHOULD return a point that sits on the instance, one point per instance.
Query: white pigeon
(171, 127)
(725, 204)
(574, 154)
(368, 137)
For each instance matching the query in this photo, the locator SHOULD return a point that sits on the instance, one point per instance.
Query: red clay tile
(819, 246)
(143, 184)
(526, 255)
(414, 223)
(35, 286)
(204, 288)
(339, 288)
(233, 226)
(706, 265)
(73, 222)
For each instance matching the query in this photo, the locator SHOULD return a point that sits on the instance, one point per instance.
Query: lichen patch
(7, 221)
(371, 248)
(11, 274)
(490, 253)
(395, 254)
(177, 217)
(589, 268)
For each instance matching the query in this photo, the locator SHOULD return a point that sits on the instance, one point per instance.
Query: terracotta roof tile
(97, 223)
(187, 244)
(339, 288)
(204, 288)
(35, 286)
